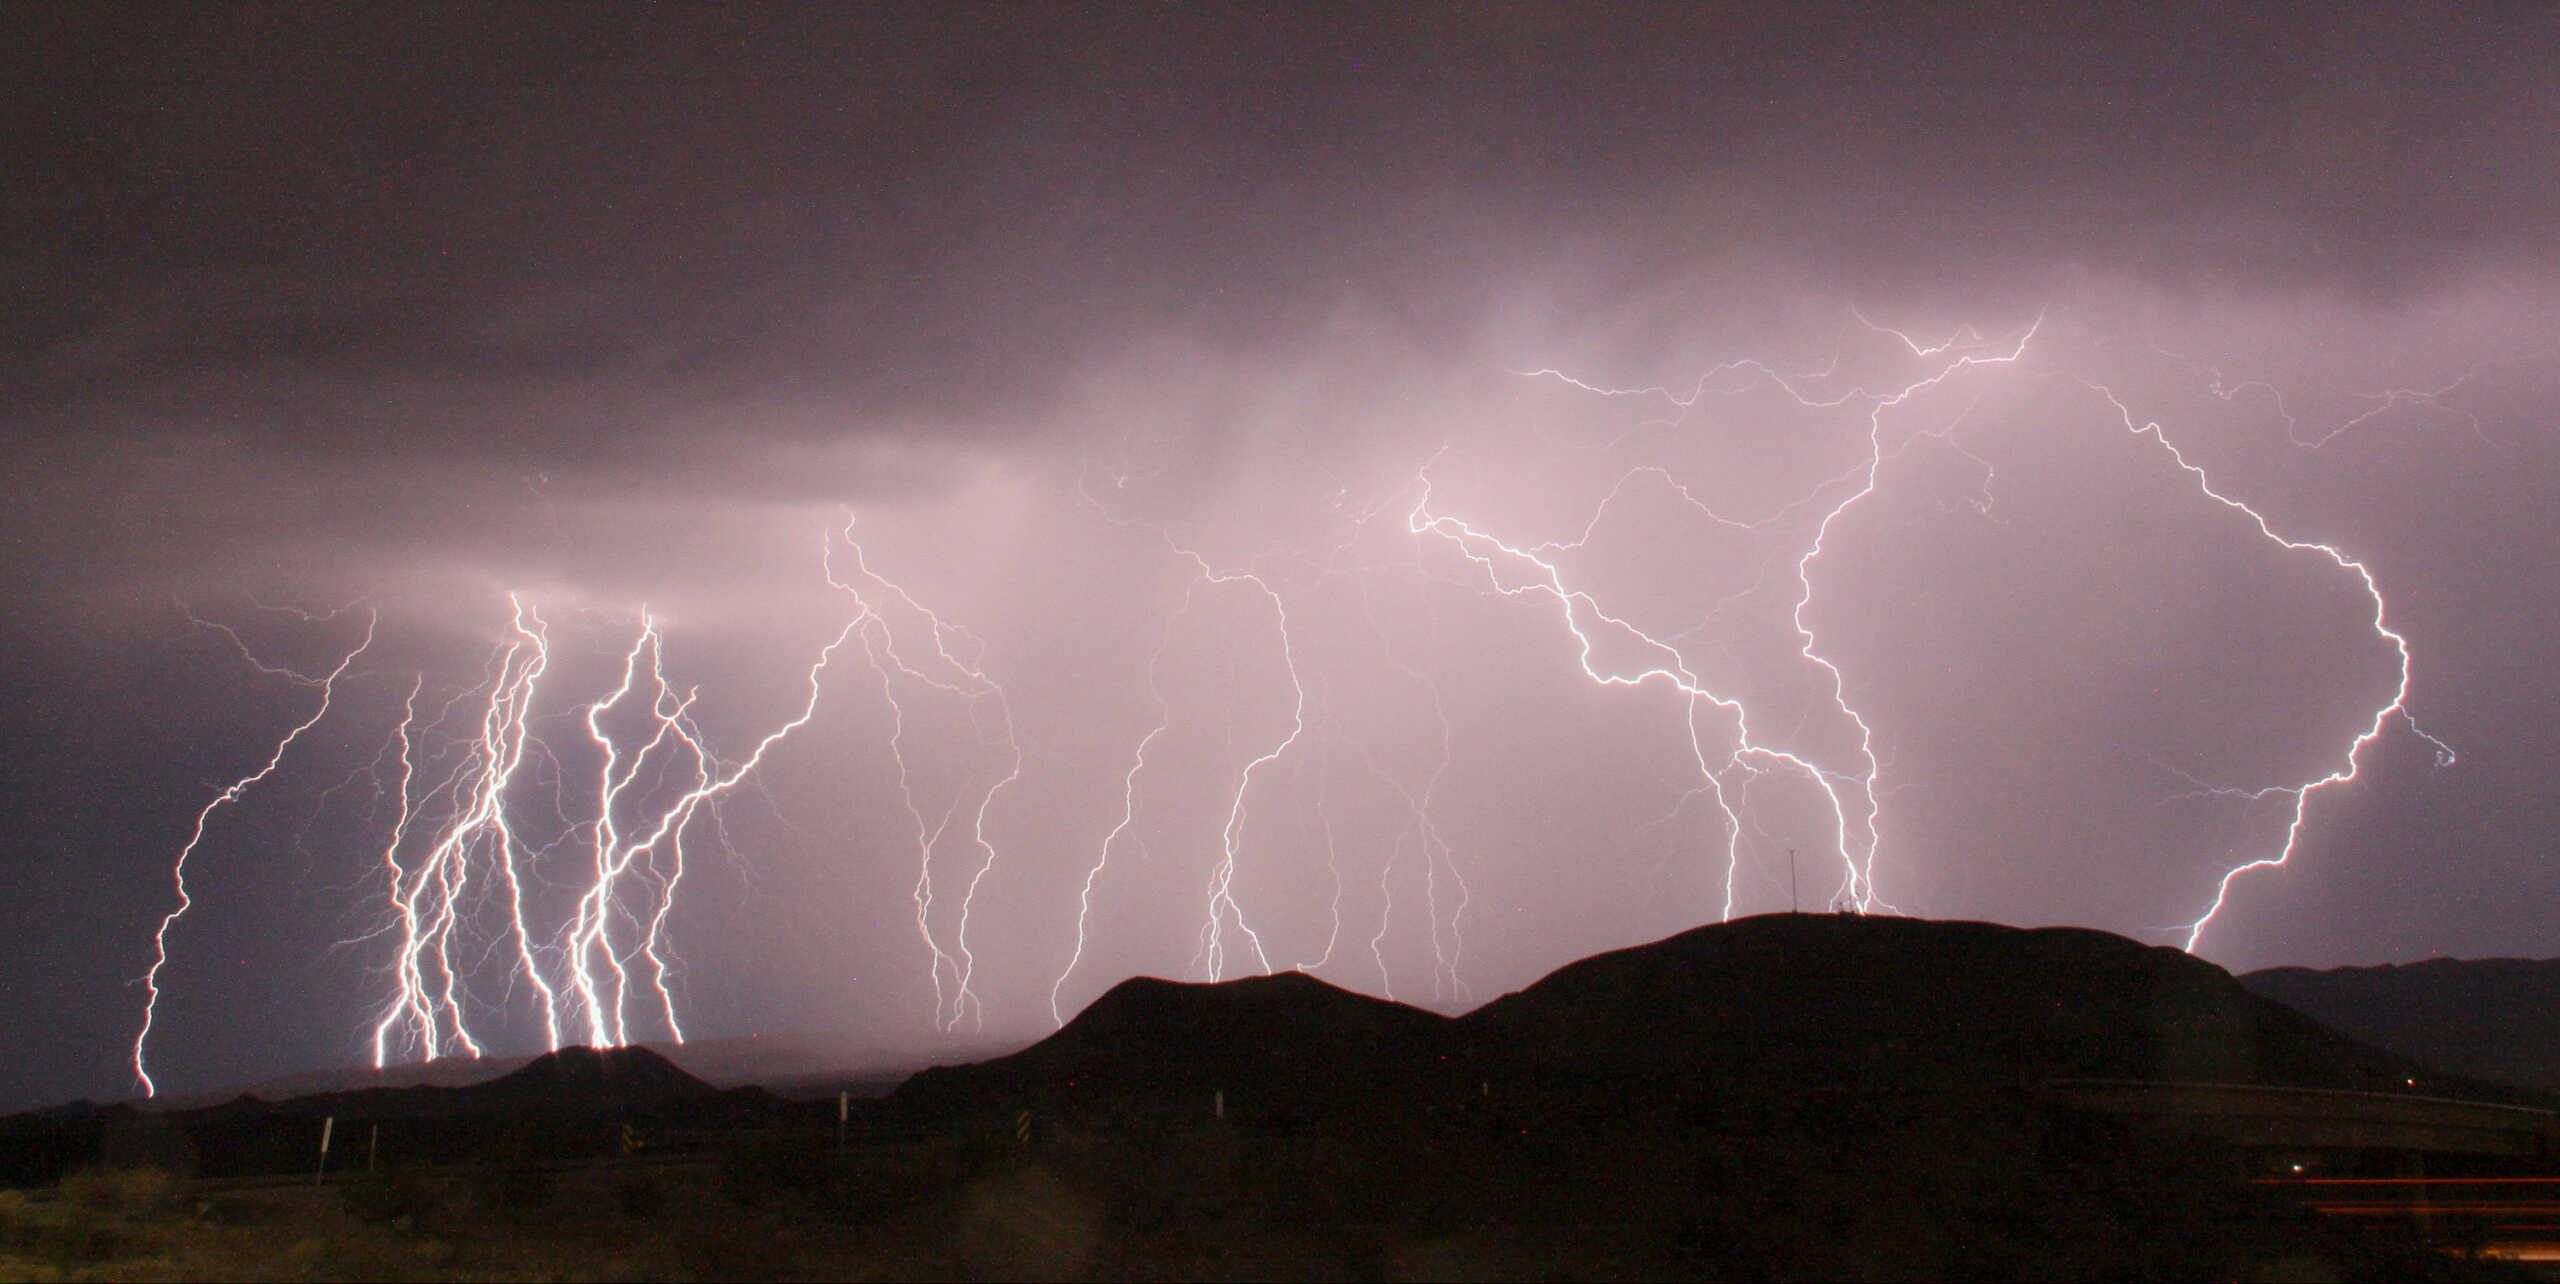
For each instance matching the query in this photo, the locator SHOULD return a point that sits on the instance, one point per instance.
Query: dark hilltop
(1844, 1001)
(1788, 1096)
(1778, 1004)
(1287, 1045)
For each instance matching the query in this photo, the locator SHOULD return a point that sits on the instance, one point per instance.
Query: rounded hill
(1857, 1000)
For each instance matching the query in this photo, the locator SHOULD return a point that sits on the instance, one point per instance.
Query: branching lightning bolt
(647, 790)
(427, 895)
(1741, 754)
(572, 902)
(968, 681)
(1222, 908)
(2396, 707)
(178, 868)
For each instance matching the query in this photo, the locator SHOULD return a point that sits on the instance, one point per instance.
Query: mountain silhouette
(1279, 1045)
(2480, 1018)
(1863, 1000)
(590, 1078)
(1780, 1004)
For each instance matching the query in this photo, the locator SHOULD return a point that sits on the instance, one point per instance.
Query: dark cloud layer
(615, 306)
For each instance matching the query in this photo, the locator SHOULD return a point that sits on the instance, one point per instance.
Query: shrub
(63, 1237)
(756, 1166)
(393, 1195)
(137, 1192)
(515, 1190)
(149, 1141)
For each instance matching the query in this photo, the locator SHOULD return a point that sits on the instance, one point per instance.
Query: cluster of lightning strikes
(464, 885)
(1227, 943)
(654, 775)
(456, 857)
(1727, 761)
(1725, 750)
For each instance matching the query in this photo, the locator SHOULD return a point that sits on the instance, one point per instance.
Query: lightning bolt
(581, 921)
(426, 894)
(649, 785)
(2397, 707)
(968, 681)
(590, 947)
(2376, 404)
(1128, 801)
(1438, 856)
(1725, 751)
(1225, 929)
(178, 868)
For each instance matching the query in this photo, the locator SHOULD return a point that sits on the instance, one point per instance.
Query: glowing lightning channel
(178, 868)
(1517, 571)
(408, 1006)
(589, 941)
(1437, 853)
(427, 897)
(1222, 905)
(2396, 707)
(1222, 878)
(635, 836)
(1128, 801)
(1862, 885)
(968, 681)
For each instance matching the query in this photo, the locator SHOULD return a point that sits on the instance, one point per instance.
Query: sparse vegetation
(393, 1195)
(777, 1164)
(142, 1193)
(1920, 1186)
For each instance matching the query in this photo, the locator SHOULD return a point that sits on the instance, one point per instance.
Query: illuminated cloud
(1420, 500)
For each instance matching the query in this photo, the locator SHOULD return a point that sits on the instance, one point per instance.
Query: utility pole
(1793, 905)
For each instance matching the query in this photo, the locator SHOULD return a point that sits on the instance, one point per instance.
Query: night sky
(1310, 431)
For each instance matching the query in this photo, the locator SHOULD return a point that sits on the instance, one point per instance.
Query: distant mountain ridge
(1780, 1003)
(2480, 1018)
(781, 1062)
(574, 1079)
(578, 1101)
(1800, 1000)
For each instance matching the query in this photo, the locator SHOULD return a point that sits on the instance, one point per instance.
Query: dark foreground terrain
(1784, 1097)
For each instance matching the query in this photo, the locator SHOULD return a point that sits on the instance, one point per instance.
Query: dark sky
(1238, 386)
